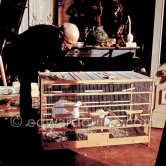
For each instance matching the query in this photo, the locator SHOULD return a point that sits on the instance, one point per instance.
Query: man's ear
(61, 34)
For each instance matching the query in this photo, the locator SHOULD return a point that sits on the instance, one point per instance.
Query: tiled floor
(20, 146)
(127, 155)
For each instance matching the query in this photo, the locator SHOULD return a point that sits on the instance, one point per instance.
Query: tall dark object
(11, 13)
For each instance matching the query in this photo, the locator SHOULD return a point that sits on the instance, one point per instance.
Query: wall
(37, 12)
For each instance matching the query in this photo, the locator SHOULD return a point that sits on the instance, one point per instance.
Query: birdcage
(89, 109)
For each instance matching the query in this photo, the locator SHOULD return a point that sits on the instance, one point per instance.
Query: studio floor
(22, 146)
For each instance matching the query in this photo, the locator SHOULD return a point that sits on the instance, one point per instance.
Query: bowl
(79, 44)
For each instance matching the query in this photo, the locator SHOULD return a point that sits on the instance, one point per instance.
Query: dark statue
(107, 16)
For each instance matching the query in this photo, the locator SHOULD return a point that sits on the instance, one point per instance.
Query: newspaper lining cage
(87, 109)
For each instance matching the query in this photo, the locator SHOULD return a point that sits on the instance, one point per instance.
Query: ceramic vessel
(96, 35)
(99, 34)
(129, 37)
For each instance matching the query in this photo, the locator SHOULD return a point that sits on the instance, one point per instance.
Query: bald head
(71, 32)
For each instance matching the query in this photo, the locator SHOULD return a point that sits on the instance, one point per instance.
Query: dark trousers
(26, 75)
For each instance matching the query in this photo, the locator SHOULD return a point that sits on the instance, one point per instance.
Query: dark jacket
(39, 47)
(34, 50)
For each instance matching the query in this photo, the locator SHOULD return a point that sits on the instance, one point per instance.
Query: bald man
(40, 47)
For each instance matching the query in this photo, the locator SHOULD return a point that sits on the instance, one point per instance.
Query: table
(95, 51)
(9, 102)
(102, 58)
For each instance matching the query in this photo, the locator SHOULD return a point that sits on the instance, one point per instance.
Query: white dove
(76, 111)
